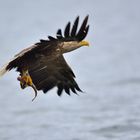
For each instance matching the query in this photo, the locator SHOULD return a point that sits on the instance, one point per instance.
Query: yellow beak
(84, 43)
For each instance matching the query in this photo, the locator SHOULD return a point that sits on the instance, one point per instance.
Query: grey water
(108, 72)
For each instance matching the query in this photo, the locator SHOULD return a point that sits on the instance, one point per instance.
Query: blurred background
(108, 71)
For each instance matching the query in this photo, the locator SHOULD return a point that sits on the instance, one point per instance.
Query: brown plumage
(45, 63)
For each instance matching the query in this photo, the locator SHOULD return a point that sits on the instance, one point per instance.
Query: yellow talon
(25, 81)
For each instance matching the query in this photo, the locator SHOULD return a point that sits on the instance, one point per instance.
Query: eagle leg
(26, 80)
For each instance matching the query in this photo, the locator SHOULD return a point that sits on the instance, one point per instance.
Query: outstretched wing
(71, 33)
(47, 75)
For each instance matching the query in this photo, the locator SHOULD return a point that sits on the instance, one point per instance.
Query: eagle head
(72, 45)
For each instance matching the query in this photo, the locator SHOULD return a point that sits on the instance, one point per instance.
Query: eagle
(42, 66)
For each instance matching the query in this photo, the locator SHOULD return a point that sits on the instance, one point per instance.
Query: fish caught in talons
(26, 81)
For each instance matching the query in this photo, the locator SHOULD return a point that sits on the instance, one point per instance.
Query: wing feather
(56, 73)
(74, 28)
(59, 34)
(83, 29)
(67, 30)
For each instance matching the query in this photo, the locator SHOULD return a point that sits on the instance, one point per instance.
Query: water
(108, 72)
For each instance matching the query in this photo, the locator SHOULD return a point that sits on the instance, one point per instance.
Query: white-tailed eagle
(42, 66)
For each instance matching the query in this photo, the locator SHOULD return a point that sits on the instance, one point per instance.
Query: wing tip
(71, 32)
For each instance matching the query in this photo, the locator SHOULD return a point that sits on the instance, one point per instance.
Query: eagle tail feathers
(4, 69)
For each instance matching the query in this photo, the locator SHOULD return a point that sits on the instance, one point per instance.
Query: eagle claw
(25, 81)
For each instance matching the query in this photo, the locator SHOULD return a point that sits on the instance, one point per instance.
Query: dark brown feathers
(56, 73)
(67, 30)
(71, 34)
(45, 62)
(74, 28)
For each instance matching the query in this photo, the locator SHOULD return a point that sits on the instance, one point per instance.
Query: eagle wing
(70, 34)
(47, 75)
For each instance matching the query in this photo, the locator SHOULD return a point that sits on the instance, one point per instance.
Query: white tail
(3, 69)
